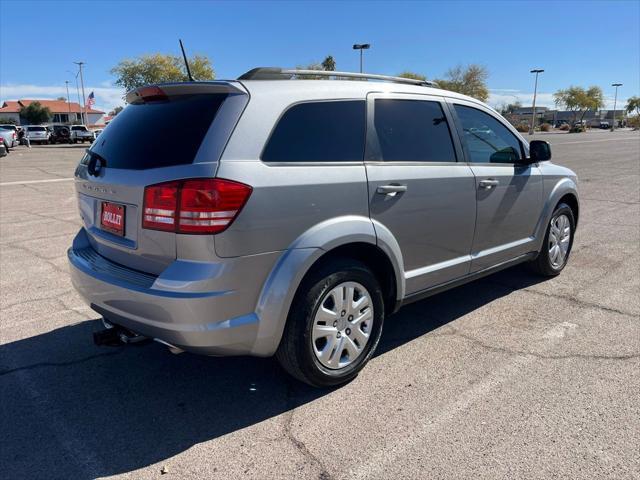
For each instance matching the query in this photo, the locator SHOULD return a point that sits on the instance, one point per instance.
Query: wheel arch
(345, 237)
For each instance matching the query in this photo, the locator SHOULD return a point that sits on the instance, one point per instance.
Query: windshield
(36, 129)
(83, 129)
(158, 134)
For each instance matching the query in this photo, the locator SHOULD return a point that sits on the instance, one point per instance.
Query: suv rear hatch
(167, 132)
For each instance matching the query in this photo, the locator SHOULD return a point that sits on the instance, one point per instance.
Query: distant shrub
(577, 129)
(545, 127)
(522, 127)
(565, 127)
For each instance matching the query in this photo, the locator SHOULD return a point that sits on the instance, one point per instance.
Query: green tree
(159, 68)
(579, 101)
(510, 108)
(62, 99)
(7, 121)
(116, 111)
(633, 104)
(35, 113)
(470, 80)
(329, 64)
(412, 75)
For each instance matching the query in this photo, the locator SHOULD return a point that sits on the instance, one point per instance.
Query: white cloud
(107, 96)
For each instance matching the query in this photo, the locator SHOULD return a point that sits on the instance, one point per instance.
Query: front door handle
(391, 189)
(489, 183)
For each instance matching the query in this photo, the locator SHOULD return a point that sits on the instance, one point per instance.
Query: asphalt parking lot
(507, 377)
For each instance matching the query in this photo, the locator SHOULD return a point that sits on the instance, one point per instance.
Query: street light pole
(68, 102)
(615, 101)
(535, 91)
(361, 47)
(83, 106)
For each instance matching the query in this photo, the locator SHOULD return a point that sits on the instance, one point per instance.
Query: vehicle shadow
(73, 410)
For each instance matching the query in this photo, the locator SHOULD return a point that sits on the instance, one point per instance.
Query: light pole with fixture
(615, 101)
(361, 47)
(83, 106)
(535, 91)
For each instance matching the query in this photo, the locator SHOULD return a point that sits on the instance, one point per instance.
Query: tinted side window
(488, 141)
(413, 130)
(319, 132)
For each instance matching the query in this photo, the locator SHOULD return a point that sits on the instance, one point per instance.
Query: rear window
(36, 129)
(319, 132)
(84, 129)
(158, 134)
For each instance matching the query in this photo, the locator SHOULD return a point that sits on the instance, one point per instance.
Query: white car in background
(80, 133)
(9, 134)
(37, 133)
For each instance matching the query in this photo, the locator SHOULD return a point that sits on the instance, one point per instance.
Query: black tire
(6, 147)
(295, 352)
(542, 264)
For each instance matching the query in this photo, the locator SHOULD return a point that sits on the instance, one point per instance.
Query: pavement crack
(38, 365)
(567, 298)
(36, 300)
(297, 443)
(493, 348)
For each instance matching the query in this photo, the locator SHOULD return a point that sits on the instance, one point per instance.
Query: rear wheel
(334, 324)
(557, 243)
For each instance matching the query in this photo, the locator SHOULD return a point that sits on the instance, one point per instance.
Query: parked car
(605, 125)
(60, 134)
(11, 128)
(97, 132)
(9, 138)
(80, 133)
(277, 229)
(37, 133)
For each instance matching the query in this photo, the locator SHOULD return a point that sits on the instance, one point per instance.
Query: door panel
(509, 193)
(417, 189)
(507, 212)
(432, 221)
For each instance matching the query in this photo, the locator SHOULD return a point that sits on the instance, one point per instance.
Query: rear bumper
(183, 306)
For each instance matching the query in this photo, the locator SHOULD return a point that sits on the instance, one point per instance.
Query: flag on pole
(91, 100)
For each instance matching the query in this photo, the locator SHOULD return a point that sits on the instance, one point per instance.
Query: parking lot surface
(511, 376)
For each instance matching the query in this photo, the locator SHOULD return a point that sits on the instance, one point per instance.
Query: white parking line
(29, 182)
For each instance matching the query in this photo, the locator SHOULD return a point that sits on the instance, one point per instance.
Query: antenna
(186, 62)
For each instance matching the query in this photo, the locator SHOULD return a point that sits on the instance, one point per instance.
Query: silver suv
(295, 215)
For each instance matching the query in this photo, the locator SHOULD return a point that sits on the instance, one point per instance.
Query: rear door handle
(391, 189)
(489, 183)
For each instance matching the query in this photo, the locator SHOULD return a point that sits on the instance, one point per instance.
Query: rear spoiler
(161, 90)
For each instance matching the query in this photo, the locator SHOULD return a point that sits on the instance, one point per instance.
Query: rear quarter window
(158, 134)
(331, 131)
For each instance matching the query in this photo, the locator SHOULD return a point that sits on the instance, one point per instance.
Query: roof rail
(276, 73)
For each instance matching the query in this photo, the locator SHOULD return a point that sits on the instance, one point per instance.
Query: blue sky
(576, 42)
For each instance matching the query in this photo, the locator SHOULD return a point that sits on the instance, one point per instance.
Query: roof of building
(56, 106)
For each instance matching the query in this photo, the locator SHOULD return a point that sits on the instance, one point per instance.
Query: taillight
(193, 206)
(160, 204)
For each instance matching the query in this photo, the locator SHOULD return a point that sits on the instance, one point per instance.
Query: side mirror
(539, 151)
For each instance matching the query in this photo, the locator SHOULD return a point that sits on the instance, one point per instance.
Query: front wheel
(558, 240)
(334, 324)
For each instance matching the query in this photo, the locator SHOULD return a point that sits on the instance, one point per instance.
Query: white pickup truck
(80, 133)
